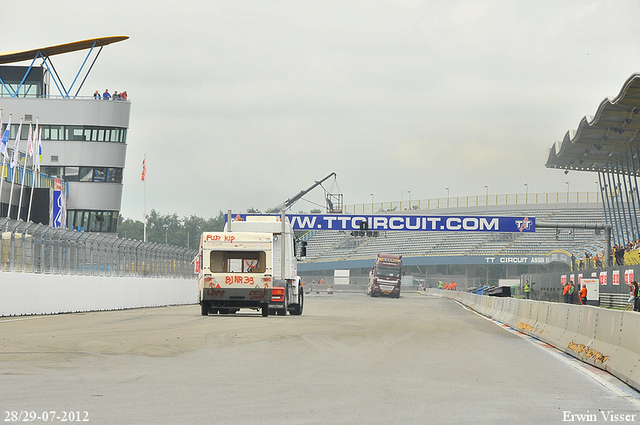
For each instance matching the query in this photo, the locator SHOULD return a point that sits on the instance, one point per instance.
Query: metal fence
(35, 248)
(475, 201)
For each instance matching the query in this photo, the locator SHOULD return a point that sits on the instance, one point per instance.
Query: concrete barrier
(607, 339)
(27, 294)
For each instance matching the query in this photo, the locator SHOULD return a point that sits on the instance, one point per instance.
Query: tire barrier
(606, 339)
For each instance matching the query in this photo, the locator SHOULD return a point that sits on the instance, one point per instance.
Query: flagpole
(33, 170)
(24, 167)
(144, 179)
(3, 144)
(14, 165)
(4, 159)
(1, 151)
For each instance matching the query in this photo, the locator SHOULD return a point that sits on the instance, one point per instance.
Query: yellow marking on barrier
(527, 327)
(587, 352)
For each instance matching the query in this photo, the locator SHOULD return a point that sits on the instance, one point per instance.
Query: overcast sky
(241, 104)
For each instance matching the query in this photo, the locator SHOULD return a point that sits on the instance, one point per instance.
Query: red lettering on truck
(258, 294)
(215, 292)
(216, 238)
(230, 280)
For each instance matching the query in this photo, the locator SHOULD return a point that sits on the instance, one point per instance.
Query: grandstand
(607, 143)
(507, 254)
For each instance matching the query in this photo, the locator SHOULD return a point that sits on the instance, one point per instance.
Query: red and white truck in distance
(250, 265)
(385, 276)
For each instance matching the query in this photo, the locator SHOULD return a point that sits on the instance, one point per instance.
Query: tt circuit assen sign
(423, 223)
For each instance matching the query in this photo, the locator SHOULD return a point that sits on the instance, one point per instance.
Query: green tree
(130, 229)
(171, 229)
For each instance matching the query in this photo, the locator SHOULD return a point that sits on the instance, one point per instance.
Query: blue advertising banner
(58, 209)
(410, 222)
(58, 217)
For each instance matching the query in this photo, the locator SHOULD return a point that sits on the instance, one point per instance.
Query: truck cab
(385, 276)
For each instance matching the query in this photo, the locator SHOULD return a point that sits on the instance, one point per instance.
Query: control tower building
(84, 139)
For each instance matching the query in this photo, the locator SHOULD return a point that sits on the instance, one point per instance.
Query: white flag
(39, 150)
(14, 158)
(29, 145)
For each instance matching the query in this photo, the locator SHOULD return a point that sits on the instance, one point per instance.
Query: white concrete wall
(607, 339)
(26, 294)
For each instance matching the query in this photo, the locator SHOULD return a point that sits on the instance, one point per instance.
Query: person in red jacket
(583, 294)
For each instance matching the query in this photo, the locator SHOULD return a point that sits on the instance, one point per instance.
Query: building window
(86, 174)
(55, 132)
(24, 134)
(74, 132)
(91, 174)
(52, 171)
(93, 221)
(100, 175)
(114, 175)
(71, 174)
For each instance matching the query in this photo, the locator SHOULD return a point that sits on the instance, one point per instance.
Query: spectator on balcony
(618, 254)
(96, 95)
(621, 252)
(106, 95)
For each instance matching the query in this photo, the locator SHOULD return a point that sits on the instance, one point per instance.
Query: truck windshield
(237, 261)
(388, 271)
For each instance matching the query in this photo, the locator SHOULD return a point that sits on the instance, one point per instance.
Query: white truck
(251, 264)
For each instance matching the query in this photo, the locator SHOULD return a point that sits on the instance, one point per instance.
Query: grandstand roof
(23, 55)
(604, 138)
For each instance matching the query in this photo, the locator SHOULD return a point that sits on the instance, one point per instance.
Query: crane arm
(289, 202)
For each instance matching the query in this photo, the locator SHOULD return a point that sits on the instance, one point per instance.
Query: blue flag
(5, 139)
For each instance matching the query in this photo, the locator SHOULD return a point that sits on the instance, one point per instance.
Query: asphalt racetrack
(349, 359)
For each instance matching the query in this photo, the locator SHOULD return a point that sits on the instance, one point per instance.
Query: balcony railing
(475, 201)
